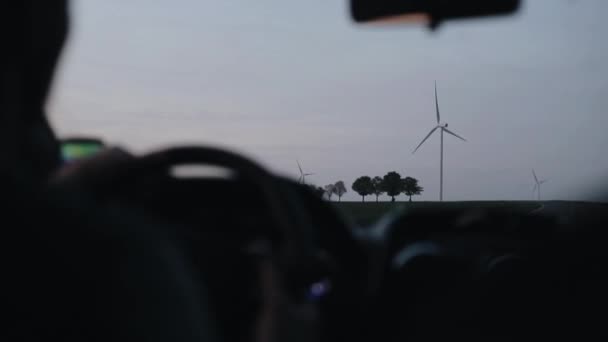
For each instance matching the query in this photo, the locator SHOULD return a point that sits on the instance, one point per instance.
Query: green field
(369, 212)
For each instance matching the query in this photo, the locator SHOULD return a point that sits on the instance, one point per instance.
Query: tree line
(392, 184)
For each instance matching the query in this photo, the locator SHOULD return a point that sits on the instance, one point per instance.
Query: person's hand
(280, 318)
(87, 173)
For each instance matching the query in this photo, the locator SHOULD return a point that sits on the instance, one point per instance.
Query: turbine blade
(299, 166)
(535, 178)
(454, 134)
(535, 187)
(425, 138)
(309, 174)
(437, 104)
(543, 181)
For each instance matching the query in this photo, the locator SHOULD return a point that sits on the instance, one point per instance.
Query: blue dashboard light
(319, 289)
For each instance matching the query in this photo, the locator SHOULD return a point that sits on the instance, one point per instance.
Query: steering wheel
(310, 238)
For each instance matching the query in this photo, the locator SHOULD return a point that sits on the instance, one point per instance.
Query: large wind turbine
(442, 127)
(302, 179)
(537, 184)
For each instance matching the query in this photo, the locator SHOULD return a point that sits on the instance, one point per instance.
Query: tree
(339, 189)
(411, 187)
(330, 190)
(363, 186)
(392, 184)
(377, 185)
(317, 190)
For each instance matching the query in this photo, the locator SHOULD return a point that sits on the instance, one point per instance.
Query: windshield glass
(288, 81)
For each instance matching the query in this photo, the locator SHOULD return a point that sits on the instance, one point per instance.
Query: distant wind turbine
(537, 184)
(302, 179)
(443, 127)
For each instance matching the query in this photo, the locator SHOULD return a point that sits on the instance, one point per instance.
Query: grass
(369, 212)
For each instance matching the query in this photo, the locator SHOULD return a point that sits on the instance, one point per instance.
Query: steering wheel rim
(291, 222)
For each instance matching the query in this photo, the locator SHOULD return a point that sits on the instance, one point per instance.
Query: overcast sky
(285, 80)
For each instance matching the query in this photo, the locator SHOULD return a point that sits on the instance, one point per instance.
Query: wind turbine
(302, 179)
(537, 184)
(442, 127)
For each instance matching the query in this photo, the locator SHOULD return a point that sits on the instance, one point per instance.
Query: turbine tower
(302, 179)
(537, 184)
(442, 127)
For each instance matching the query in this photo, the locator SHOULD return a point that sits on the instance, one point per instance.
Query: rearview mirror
(431, 12)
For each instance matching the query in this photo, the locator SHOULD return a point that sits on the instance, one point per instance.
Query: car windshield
(297, 85)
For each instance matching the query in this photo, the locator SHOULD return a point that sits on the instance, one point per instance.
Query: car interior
(127, 250)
